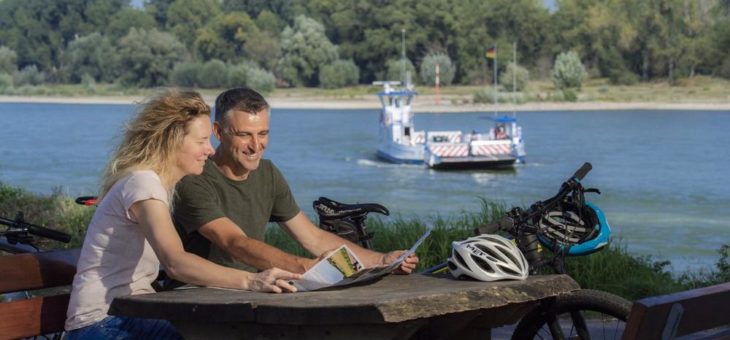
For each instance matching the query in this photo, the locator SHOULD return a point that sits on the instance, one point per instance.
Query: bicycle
(18, 237)
(19, 240)
(533, 238)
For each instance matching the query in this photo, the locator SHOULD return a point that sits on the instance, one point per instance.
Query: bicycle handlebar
(37, 230)
(583, 171)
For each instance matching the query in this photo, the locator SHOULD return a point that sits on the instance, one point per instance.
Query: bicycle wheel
(582, 314)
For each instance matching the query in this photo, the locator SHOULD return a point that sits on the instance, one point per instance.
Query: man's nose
(255, 142)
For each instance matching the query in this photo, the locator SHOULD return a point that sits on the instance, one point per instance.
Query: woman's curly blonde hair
(153, 135)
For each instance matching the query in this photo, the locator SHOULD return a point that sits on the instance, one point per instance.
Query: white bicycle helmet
(487, 258)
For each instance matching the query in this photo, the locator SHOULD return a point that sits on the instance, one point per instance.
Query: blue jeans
(120, 328)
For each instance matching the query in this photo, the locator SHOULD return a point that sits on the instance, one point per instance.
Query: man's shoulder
(206, 179)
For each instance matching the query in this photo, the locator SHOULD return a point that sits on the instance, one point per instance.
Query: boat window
(407, 131)
(440, 139)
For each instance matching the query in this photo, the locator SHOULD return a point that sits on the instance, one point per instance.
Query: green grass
(698, 89)
(613, 269)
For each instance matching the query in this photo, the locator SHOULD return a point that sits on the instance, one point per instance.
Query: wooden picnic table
(396, 307)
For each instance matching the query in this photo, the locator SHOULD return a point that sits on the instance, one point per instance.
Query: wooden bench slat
(702, 309)
(25, 318)
(37, 270)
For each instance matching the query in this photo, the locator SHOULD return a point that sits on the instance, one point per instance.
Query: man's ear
(217, 131)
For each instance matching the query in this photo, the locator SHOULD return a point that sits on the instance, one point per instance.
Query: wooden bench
(41, 314)
(702, 313)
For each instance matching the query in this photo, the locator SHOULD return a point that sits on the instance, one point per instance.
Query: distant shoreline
(424, 103)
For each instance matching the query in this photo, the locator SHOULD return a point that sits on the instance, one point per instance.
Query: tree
(341, 73)
(568, 71)
(304, 48)
(147, 57)
(226, 36)
(122, 21)
(428, 69)
(514, 77)
(8, 60)
(91, 55)
(185, 17)
(39, 30)
(394, 67)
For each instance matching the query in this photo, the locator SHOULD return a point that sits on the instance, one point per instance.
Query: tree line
(284, 43)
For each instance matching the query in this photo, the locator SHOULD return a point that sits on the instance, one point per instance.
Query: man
(222, 214)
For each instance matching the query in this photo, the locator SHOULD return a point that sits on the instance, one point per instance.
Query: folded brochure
(342, 267)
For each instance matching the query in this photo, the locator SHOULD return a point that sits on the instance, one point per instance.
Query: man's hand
(406, 267)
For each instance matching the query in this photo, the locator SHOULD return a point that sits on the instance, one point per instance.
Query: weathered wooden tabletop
(409, 302)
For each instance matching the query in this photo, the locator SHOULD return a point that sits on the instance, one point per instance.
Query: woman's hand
(273, 280)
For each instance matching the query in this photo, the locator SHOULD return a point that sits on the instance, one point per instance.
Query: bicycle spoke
(579, 324)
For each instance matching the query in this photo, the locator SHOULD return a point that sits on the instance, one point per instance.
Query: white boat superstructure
(400, 143)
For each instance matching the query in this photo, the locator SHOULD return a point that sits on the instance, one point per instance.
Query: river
(663, 174)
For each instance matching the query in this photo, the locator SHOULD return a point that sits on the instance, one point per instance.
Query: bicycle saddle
(330, 209)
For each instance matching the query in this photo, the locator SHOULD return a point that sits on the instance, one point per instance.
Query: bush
(624, 77)
(186, 74)
(393, 68)
(260, 80)
(214, 74)
(6, 81)
(487, 96)
(568, 72)
(446, 69)
(569, 95)
(341, 73)
(238, 75)
(514, 74)
(30, 75)
(8, 60)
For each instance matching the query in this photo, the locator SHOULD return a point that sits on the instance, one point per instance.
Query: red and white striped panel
(450, 150)
(444, 136)
(419, 138)
(495, 149)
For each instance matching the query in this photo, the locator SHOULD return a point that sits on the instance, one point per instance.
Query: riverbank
(424, 103)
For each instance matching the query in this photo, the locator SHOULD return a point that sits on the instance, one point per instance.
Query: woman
(132, 232)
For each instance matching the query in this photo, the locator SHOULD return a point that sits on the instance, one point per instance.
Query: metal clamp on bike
(347, 220)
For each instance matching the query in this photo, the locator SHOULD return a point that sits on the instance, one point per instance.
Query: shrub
(8, 60)
(446, 69)
(570, 95)
(393, 69)
(260, 80)
(214, 73)
(568, 72)
(30, 75)
(186, 74)
(514, 77)
(341, 73)
(237, 75)
(487, 96)
(6, 81)
(623, 77)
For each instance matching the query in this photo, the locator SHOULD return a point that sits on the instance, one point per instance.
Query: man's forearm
(263, 256)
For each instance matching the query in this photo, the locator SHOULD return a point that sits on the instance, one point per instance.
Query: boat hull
(401, 154)
(473, 164)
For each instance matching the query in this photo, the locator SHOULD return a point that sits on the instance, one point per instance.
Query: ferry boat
(399, 142)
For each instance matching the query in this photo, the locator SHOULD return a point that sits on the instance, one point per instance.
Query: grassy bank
(614, 269)
(699, 89)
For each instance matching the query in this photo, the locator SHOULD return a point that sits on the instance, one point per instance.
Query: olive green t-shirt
(263, 197)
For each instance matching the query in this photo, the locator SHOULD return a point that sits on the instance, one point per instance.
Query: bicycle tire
(612, 310)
